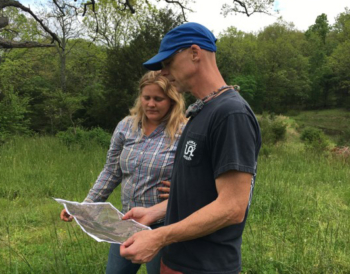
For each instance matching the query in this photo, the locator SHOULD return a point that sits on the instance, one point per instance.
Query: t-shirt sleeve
(233, 144)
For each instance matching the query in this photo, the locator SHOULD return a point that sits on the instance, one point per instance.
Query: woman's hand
(165, 189)
(65, 216)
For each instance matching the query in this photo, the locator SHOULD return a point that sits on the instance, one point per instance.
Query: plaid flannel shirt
(138, 162)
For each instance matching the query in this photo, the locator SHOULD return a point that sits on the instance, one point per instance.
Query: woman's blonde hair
(175, 115)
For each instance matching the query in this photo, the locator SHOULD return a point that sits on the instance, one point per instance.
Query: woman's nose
(151, 103)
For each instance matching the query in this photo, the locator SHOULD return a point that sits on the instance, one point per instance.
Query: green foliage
(93, 82)
(340, 64)
(283, 70)
(314, 139)
(248, 87)
(14, 108)
(21, 27)
(321, 27)
(265, 150)
(84, 138)
(13, 120)
(273, 129)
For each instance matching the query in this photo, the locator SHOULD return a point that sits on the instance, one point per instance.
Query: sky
(302, 13)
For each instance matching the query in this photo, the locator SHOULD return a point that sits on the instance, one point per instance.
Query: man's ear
(195, 52)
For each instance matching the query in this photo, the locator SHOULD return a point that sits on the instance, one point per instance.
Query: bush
(314, 139)
(273, 129)
(79, 136)
(265, 150)
(345, 138)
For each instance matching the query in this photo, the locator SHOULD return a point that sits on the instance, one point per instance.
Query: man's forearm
(229, 208)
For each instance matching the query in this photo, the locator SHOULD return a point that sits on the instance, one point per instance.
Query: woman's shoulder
(125, 124)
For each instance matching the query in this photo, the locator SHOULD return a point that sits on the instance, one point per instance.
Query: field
(298, 223)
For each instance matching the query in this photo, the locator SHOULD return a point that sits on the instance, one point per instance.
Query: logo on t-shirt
(189, 149)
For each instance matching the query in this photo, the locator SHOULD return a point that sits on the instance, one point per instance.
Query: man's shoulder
(231, 102)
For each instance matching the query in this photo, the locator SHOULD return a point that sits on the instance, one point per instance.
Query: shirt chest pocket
(193, 149)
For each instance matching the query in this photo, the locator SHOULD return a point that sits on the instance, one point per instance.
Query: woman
(141, 157)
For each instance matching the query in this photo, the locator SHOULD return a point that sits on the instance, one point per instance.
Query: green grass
(298, 222)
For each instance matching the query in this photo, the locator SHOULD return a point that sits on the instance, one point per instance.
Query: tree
(124, 64)
(248, 7)
(318, 49)
(68, 30)
(342, 26)
(283, 70)
(111, 26)
(339, 60)
(13, 106)
(236, 59)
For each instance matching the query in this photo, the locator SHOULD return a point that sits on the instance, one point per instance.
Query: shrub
(345, 138)
(265, 150)
(314, 139)
(79, 136)
(273, 129)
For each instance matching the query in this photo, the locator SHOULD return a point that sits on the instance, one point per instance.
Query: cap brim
(155, 63)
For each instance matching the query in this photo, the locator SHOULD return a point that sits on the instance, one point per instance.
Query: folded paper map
(102, 221)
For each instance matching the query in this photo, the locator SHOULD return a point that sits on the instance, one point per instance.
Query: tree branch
(4, 21)
(127, 5)
(183, 8)
(5, 44)
(16, 4)
(248, 7)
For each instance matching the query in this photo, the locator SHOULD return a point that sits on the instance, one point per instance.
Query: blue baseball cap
(180, 37)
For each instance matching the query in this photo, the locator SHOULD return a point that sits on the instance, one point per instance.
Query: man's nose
(164, 71)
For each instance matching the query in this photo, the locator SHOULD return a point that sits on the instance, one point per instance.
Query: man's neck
(204, 88)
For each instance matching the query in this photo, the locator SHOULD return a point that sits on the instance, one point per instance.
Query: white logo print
(189, 149)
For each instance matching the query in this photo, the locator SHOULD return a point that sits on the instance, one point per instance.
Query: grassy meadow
(299, 218)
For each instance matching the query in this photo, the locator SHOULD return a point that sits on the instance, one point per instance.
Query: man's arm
(229, 208)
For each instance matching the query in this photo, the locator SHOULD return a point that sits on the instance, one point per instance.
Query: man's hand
(140, 215)
(165, 189)
(141, 247)
(147, 216)
(65, 216)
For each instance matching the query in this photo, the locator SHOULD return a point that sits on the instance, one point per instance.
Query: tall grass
(32, 237)
(298, 222)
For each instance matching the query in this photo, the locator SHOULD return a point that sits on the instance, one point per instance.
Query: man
(214, 170)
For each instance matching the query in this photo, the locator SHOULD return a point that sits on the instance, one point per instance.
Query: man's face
(176, 69)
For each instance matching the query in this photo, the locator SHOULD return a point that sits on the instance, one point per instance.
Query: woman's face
(155, 103)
